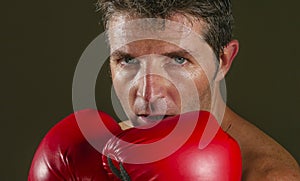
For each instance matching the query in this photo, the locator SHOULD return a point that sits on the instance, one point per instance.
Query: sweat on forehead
(123, 30)
(217, 15)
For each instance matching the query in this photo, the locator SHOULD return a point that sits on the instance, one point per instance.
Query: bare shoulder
(263, 157)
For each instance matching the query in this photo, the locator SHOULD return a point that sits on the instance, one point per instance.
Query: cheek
(189, 78)
(122, 84)
(193, 85)
(202, 82)
(203, 86)
(127, 81)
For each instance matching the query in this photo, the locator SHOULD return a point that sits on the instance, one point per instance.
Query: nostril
(158, 104)
(152, 107)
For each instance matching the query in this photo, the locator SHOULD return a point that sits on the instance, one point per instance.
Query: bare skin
(263, 157)
(152, 78)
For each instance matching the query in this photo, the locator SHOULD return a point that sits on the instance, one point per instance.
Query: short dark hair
(217, 15)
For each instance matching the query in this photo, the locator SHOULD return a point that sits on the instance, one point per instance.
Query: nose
(152, 84)
(154, 90)
(152, 87)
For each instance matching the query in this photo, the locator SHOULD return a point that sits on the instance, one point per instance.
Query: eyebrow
(120, 53)
(177, 53)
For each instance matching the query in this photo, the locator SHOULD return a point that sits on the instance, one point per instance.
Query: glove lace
(121, 174)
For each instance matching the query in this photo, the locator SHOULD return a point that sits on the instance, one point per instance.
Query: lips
(157, 109)
(146, 119)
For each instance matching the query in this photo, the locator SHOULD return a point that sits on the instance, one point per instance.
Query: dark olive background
(41, 42)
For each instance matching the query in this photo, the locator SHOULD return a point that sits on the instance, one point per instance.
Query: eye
(130, 60)
(180, 60)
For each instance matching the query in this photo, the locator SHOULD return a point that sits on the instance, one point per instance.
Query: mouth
(152, 118)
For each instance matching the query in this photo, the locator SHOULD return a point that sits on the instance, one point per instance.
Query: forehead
(154, 33)
(145, 47)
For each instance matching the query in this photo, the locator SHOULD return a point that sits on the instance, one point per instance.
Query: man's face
(160, 72)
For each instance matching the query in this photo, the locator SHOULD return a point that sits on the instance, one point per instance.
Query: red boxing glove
(65, 153)
(218, 160)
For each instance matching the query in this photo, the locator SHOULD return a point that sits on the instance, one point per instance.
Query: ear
(226, 58)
